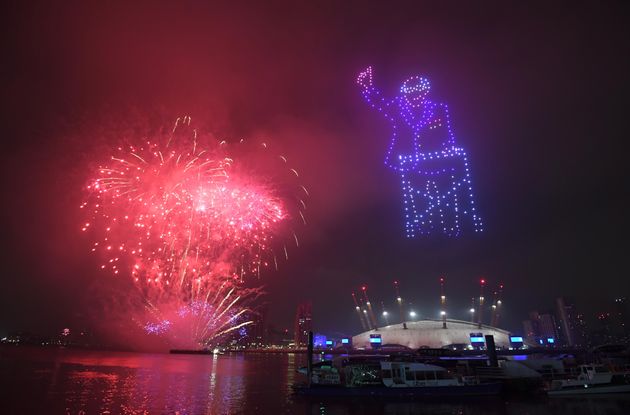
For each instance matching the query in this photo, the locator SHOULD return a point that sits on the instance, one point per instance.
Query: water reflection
(82, 382)
(123, 383)
(597, 406)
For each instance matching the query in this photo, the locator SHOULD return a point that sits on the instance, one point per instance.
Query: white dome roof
(430, 333)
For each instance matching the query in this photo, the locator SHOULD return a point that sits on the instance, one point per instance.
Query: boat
(592, 379)
(384, 378)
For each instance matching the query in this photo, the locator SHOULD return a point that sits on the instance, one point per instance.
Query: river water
(70, 381)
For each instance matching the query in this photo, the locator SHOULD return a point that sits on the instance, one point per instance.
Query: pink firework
(182, 220)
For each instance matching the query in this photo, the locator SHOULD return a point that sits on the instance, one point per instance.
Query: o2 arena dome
(430, 333)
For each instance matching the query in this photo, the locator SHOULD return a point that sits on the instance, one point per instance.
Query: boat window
(600, 369)
(386, 373)
(408, 374)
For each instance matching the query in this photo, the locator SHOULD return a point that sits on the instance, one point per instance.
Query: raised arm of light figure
(384, 105)
(371, 94)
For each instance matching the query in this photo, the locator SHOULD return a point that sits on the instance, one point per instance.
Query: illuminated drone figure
(437, 190)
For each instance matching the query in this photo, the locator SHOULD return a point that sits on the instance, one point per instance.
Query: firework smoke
(190, 223)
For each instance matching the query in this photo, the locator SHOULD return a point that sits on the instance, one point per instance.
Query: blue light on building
(319, 340)
(477, 340)
(375, 341)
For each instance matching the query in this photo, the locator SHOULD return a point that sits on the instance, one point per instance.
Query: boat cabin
(411, 374)
(594, 373)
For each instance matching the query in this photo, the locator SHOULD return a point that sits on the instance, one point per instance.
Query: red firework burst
(181, 219)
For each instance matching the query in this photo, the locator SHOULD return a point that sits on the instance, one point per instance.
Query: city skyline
(536, 100)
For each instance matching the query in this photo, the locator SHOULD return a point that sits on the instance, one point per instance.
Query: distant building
(303, 323)
(259, 332)
(540, 328)
(279, 336)
(611, 326)
(572, 325)
(530, 332)
(548, 326)
(604, 330)
(620, 313)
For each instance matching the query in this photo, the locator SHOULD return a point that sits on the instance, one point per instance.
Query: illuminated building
(303, 324)
(319, 341)
(548, 326)
(429, 332)
(540, 328)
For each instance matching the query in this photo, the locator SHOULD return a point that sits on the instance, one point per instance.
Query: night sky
(538, 97)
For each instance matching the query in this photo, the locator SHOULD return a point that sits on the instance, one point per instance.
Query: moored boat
(592, 379)
(392, 379)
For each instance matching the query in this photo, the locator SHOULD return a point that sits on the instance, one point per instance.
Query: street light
(412, 314)
(385, 314)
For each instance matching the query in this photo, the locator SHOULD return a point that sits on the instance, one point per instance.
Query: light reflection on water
(63, 381)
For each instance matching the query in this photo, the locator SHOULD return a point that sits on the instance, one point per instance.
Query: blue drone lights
(436, 183)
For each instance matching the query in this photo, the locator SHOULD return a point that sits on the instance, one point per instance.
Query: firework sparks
(188, 225)
(202, 322)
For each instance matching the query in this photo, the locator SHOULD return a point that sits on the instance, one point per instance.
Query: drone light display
(436, 183)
